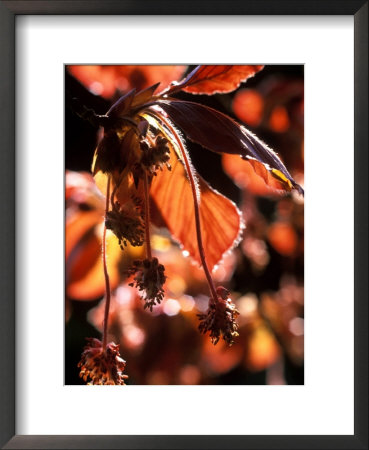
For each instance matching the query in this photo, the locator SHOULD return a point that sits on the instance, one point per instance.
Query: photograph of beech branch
(184, 225)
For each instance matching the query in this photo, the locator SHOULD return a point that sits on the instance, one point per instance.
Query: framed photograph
(185, 216)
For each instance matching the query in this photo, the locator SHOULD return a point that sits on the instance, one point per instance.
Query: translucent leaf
(215, 79)
(173, 206)
(219, 133)
(84, 268)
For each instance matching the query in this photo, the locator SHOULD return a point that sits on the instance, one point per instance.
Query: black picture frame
(8, 12)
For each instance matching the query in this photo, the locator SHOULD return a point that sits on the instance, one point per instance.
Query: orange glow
(283, 238)
(85, 271)
(248, 105)
(221, 358)
(190, 375)
(106, 80)
(263, 349)
(83, 235)
(279, 120)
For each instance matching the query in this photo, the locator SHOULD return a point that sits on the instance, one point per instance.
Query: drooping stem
(116, 188)
(196, 206)
(106, 274)
(147, 217)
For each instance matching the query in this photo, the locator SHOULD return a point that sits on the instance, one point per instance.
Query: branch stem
(147, 218)
(106, 274)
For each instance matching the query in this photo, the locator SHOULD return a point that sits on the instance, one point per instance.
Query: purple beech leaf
(122, 106)
(144, 96)
(221, 134)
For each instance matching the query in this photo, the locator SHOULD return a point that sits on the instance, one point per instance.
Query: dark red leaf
(144, 96)
(219, 133)
(215, 79)
(122, 106)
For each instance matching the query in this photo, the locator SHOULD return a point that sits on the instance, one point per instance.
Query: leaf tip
(299, 189)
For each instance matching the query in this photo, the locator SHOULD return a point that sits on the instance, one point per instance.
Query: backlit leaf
(173, 207)
(84, 267)
(77, 226)
(83, 240)
(219, 133)
(215, 79)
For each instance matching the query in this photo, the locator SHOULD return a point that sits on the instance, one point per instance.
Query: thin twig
(106, 274)
(147, 217)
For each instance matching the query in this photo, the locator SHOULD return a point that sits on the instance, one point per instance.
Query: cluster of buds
(149, 279)
(156, 156)
(127, 223)
(220, 318)
(102, 366)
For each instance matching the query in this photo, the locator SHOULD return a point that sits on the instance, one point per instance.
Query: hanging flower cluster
(220, 318)
(102, 365)
(143, 168)
(149, 279)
